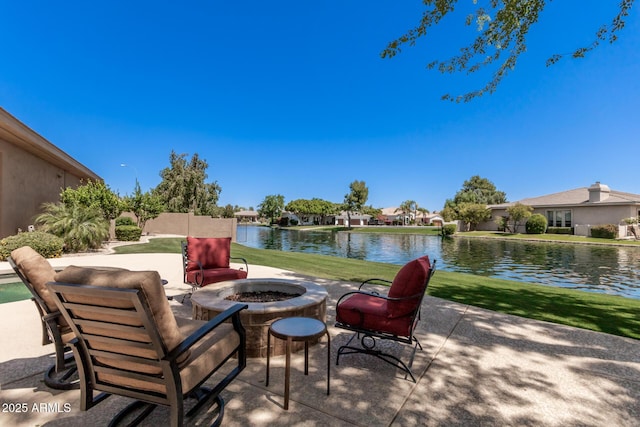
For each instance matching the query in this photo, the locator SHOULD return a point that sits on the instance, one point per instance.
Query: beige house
(579, 209)
(247, 216)
(32, 171)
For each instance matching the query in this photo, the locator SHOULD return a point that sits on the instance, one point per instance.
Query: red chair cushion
(410, 280)
(212, 252)
(371, 313)
(215, 275)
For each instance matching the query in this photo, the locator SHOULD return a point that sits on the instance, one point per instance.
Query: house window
(560, 218)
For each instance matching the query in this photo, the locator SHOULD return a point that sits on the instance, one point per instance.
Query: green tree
(517, 213)
(183, 187)
(502, 30)
(228, 211)
(479, 190)
(475, 191)
(80, 227)
(271, 207)
(315, 206)
(145, 206)
(423, 211)
(354, 201)
(472, 214)
(370, 210)
(408, 207)
(94, 195)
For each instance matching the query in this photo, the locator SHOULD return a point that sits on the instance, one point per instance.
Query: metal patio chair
(206, 260)
(389, 317)
(130, 344)
(35, 271)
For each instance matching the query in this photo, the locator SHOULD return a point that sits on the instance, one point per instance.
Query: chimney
(598, 192)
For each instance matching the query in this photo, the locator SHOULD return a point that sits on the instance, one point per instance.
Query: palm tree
(423, 211)
(80, 227)
(408, 207)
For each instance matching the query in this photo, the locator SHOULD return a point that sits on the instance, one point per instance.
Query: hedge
(47, 245)
(128, 233)
(606, 231)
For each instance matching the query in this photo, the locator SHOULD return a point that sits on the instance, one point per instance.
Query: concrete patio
(477, 368)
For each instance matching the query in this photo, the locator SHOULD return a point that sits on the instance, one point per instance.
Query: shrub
(559, 230)
(537, 224)
(124, 220)
(81, 228)
(47, 245)
(606, 231)
(449, 229)
(128, 233)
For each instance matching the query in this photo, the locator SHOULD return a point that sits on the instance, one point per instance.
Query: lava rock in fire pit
(261, 296)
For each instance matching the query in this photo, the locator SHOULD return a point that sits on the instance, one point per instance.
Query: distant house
(432, 218)
(357, 220)
(32, 171)
(246, 216)
(394, 216)
(579, 209)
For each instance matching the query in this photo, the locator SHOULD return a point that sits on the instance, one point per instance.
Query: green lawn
(598, 312)
(566, 238)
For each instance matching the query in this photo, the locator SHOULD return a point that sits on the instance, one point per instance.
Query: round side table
(297, 329)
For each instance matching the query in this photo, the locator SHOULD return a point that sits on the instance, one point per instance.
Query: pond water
(606, 269)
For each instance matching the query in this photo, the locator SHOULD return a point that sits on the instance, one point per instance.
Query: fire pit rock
(210, 301)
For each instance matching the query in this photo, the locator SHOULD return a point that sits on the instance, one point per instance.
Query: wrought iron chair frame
(186, 260)
(368, 337)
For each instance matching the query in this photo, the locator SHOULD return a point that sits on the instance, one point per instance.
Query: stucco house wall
(589, 206)
(32, 171)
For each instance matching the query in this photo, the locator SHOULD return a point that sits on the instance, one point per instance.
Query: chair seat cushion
(215, 275)
(362, 311)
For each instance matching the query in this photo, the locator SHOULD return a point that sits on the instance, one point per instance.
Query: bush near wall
(449, 229)
(606, 231)
(537, 224)
(47, 245)
(128, 233)
(559, 230)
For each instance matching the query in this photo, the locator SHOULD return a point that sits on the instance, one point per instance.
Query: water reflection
(606, 269)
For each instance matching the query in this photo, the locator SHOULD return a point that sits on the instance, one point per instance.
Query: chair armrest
(375, 282)
(246, 265)
(187, 260)
(377, 295)
(232, 312)
(371, 294)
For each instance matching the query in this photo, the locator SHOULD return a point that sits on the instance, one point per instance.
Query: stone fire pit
(210, 301)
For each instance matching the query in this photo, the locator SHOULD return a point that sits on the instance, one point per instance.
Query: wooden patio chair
(129, 343)
(390, 317)
(206, 260)
(35, 271)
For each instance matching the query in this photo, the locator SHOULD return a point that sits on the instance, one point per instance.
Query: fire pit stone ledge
(210, 301)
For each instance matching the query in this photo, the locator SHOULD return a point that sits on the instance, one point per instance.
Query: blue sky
(292, 98)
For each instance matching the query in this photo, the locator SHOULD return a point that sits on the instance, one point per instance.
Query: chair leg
(144, 408)
(63, 377)
(370, 350)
